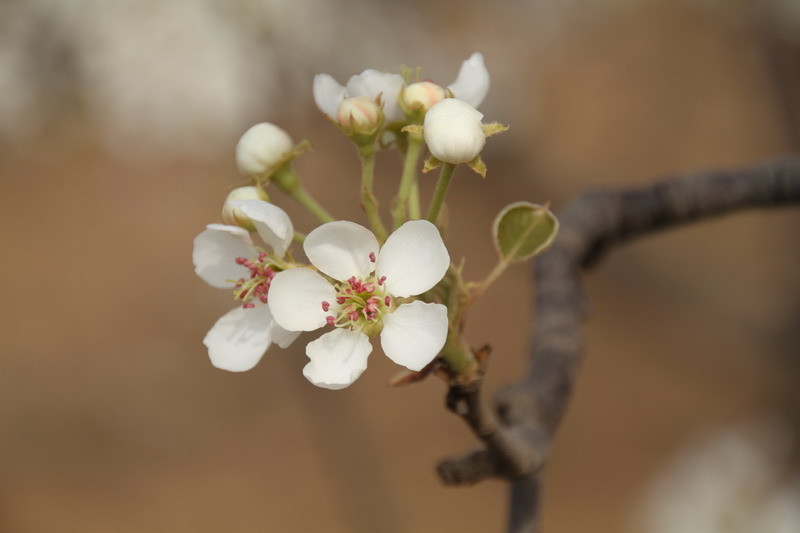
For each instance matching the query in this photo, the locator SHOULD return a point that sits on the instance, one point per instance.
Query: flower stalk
(408, 182)
(441, 191)
(368, 200)
(288, 182)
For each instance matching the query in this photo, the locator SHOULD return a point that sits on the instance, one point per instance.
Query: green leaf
(523, 230)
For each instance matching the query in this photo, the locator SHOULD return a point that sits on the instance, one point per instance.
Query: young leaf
(522, 230)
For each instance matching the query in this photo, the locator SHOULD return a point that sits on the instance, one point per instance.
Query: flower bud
(233, 216)
(453, 131)
(420, 97)
(262, 148)
(359, 115)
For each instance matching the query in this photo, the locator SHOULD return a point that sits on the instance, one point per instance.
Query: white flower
(359, 114)
(363, 303)
(421, 96)
(472, 82)
(453, 131)
(262, 148)
(471, 86)
(225, 258)
(328, 94)
(232, 215)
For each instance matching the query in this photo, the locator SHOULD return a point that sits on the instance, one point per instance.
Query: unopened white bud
(262, 148)
(453, 131)
(233, 216)
(421, 96)
(359, 115)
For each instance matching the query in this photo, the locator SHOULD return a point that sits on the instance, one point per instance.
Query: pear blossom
(453, 131)
(359, 115)
(224, 257)
(328, 94)
(472, 82)
(421, 96)
(262, 148)
(366, 299)
(471, 86)
(232, 215)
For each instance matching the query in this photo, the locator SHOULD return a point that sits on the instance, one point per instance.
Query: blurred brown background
(117, 126)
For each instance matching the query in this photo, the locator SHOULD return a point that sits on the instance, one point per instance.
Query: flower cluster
(398, 285)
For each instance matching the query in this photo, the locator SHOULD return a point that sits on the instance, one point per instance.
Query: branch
(529, 412)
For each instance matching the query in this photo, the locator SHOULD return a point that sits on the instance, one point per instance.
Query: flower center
(362, 304)
(255, 287)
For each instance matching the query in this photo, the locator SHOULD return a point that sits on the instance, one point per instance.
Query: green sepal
(431, 163)
(523, 230)
(413, 129)
(478, 166)
(493, 128)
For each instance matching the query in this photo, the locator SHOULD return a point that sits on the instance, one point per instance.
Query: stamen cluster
(256, 286)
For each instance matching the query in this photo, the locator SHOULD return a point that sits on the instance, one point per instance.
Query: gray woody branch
(516, 433)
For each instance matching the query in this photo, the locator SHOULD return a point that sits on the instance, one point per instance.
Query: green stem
(370, 203)
(288, 182)
(414, 211)
(298, 237)
(499, 268)
(408, 180)
(441, 191)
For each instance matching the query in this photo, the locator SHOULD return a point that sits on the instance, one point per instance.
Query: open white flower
(363, 302)
(225, 258)
(328, 94)
(472, 82)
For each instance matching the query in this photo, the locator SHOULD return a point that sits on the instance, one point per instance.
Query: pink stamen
(380, 281)
(241, 260)
(372, 256)
(387, 301)
(249, 306)
(326, 306)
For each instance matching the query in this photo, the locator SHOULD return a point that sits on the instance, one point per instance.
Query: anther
(241, 260)
(381, 280)
(326, 306)
(387, 301)
(372, 256)
(330, 320)
(249, 305)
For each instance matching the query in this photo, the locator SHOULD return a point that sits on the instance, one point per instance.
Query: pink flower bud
(359, 115)
(421, 96)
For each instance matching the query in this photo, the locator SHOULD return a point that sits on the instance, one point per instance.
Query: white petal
(261, 148)
(283, 337)
(414, 259)
(414, 334)
(453, 131)
(337, 358)
(472, 82)
(371, 83)
(295, 299)
(341, 249)
(327, 94)
(238, 340)
(215, 252)
(271, 222)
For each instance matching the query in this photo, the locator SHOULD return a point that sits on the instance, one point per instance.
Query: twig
(529, 412)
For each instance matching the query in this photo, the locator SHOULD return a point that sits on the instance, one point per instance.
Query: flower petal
(215, 252)
(238, 340)
(342, 249)
(327, 94)
(414, 334)
(283, 337)
(271, 222)
(414, 259)
(337, 358)
(472, 82)
(295, 299)
(371, 83)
